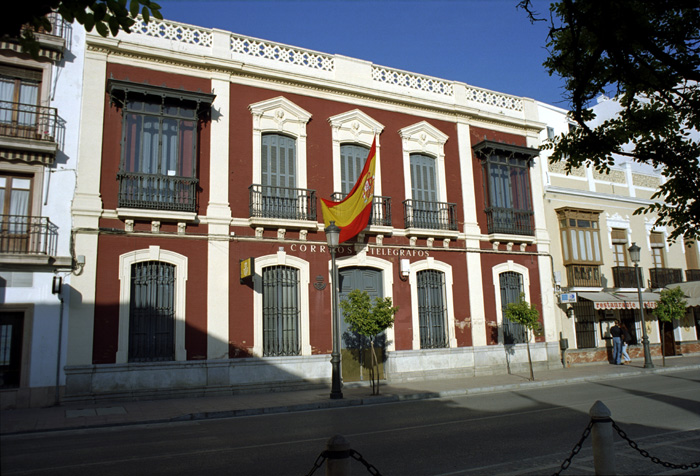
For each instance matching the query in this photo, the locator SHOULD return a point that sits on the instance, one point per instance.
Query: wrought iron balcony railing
(28, 121)
(692, 274)
(28, 235)
(381, 209)
(623, 277)
(583, 275)
(430, 215)
(282, 202)
(509, 221)
(157, 192)
(661, 277)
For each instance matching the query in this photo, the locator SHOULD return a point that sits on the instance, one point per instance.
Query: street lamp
(332, 238)
(634, 256)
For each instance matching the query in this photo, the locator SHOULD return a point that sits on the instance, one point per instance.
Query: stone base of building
(412, 365)
(604, 354)
(142, 381)
(28, 397)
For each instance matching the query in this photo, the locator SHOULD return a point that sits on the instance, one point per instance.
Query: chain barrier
(576, 449)
(355, 455)
(653, 459)
(633, 444)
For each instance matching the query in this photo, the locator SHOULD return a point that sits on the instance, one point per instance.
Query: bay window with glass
(158, 167)
(580, 242)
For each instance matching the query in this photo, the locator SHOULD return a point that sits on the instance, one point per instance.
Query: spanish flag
(352, 213)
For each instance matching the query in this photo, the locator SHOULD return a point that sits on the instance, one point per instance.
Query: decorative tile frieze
(412, 81)
(615, 176)
(173, 32)
(491, 98)
(642, 180)
(282, 53)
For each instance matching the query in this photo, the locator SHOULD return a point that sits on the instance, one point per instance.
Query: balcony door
(19, 99)
(352, 160)
(15, 204)
(426, 210)
(278, 176)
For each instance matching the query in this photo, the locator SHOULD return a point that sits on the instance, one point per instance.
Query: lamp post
(634, 256)
(332, 238)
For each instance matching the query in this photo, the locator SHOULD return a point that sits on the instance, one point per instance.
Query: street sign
(567, 298)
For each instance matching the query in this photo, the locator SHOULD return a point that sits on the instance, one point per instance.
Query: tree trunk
(663, 343)
(375, 367)
(529, 357)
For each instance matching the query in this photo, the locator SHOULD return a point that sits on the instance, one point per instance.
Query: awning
(603, 300)
(691, 290)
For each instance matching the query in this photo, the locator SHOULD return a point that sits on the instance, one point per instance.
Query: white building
(39, 126)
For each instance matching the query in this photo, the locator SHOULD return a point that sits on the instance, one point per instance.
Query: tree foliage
(646, 55)
(671, 305)
(369, 319)
(528, 316)
(106, 16)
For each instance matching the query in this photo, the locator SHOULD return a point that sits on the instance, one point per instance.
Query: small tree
(528, 316)
(671, 306)
(369, 319)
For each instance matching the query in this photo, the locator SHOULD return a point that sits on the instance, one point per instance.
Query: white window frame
(153, 253)
(281, 259)
(355, 127)
(502, 268)
(423, 138)
(432, 263)
(281, 116)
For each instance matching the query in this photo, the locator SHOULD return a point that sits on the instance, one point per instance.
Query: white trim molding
(445, 268)
(281, 259)
(282, 116)
(425, 139)
(387, 269)
(355, 127)
(153, 253)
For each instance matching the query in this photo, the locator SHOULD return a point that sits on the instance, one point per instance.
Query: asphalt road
(524, 432)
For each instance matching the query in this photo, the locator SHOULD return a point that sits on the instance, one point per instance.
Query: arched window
(280, 311)
(152, 312)
(432, 309)
(511, 287)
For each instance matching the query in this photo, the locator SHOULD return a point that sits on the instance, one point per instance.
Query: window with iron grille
(281, 311)
(158, 167)
(584, 313)
(432, 310)
(152, 312)
(511, 286)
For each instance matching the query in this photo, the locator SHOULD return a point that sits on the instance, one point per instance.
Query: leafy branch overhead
(646, 55)
(105, 16)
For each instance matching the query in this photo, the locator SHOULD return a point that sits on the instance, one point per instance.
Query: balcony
(381, 209)
(430, 215)
(583, 275)
(692, 274)
(662, 277)
(28, 235)
(282, 203)
(623, 277)
(157, 192)
(509, 221)
(28, 121)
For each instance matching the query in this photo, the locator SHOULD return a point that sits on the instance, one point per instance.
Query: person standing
(626, 341)
(616, 334)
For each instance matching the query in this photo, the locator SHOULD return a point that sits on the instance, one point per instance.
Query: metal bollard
(337, 456)
(602, 439)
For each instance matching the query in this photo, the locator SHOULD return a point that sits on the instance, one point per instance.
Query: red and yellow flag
(352, 213)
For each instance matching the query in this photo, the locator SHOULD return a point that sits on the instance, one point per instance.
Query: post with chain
(602, 439)
(337, 456)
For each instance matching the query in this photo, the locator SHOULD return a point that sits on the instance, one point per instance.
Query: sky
(485, 43)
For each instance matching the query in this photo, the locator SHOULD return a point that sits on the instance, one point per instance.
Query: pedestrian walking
(626, 341)
(616, 334)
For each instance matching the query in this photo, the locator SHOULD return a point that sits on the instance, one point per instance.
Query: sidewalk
(74, 416)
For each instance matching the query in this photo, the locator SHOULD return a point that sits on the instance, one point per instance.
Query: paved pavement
(85, 415)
